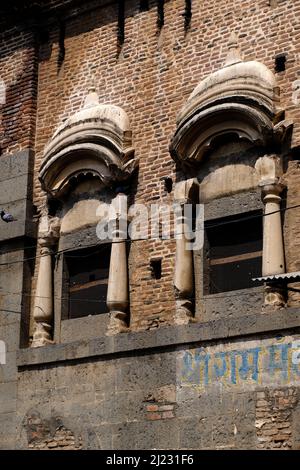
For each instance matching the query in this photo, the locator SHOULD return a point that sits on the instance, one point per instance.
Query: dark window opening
(168, 184)
(280, 61)
(155, 265)
(87, 280)
(233, 252)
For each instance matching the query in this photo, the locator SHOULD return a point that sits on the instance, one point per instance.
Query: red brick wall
(18, 65)
(151, 79)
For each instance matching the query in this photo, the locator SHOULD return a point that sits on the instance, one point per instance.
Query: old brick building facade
(140, 344)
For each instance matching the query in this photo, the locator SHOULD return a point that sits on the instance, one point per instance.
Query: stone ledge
(168, 336)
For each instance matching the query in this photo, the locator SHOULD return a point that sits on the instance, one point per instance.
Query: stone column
(184, 276)
(273, 248)
(117, 292)
(184, 269)
(43, 302)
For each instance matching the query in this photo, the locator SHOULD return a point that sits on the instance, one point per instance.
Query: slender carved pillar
(184, 270)
(273, 249)
(117, 292)
(43, 303)
(184, 277)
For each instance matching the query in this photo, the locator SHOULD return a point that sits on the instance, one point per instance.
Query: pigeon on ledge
(7, 217)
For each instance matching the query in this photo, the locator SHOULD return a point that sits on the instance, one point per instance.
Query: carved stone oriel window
(84, 165)
(231, 138)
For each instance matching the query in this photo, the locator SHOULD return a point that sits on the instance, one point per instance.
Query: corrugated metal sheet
(290, 276)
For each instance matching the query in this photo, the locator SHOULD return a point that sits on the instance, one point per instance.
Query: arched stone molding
(95, 141)
(240, 100)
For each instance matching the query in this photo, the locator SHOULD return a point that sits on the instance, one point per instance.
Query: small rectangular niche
(155, 266)
(280, 60)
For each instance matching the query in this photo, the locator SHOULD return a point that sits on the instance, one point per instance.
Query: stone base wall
(239, 394)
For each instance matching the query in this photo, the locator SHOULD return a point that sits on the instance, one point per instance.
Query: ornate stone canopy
(96, 140)
(240, 100)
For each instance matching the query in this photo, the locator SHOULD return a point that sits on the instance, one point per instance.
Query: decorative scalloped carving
(240, 99)
(96, 140)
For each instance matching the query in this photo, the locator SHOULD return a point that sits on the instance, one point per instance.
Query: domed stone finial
(233, 55)
(92, 98)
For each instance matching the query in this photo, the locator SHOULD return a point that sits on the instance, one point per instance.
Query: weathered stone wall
(242, 393)
(12, 284)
